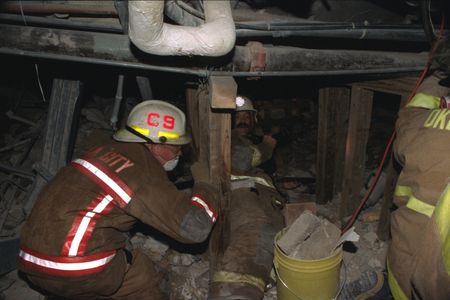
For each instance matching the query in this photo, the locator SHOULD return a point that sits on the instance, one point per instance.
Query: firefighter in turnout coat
(73, 243)
(419, 254)
(254, 217)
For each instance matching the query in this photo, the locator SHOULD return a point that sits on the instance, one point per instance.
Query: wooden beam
(397, 86)
(211, 131)
(333, 118)
(223, 90)
(355, 148)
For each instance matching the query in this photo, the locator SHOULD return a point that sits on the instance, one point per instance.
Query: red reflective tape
(87, 235)
(84, 225)
(75, 259)
(111, 174)
(197, 200)
(61, 273)
(117, 200)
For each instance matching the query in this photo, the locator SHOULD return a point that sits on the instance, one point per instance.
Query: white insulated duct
(149, 33)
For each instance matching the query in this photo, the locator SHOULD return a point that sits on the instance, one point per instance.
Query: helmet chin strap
(162, 139)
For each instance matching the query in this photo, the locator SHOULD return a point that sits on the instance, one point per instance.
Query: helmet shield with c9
(156, 121)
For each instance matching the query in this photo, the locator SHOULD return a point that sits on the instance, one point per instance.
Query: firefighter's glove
(200, 172)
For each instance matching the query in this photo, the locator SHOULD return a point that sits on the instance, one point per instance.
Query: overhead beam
(116, 50)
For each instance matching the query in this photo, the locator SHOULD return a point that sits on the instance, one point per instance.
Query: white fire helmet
(244, 104)
(157, 122)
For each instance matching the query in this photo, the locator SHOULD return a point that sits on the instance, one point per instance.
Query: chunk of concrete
(299, 231)
(320, 244)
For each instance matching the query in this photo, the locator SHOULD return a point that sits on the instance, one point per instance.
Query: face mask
(171, 164)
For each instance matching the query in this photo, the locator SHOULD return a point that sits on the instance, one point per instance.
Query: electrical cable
(35, 65)
(392, 138)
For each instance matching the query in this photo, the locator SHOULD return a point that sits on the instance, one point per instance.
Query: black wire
(426, 21)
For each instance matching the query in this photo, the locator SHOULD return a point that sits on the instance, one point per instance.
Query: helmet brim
(123, 135)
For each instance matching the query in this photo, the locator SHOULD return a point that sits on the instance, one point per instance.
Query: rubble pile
(186, 275)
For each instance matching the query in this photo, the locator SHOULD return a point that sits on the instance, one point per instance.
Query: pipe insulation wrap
(148, 32)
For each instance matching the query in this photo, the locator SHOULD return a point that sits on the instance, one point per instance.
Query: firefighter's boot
(370, 285)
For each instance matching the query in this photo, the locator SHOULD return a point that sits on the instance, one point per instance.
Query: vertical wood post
(355, 149)
(211, 131)
(333, 118)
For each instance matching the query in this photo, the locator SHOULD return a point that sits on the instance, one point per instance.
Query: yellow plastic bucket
(306, 279)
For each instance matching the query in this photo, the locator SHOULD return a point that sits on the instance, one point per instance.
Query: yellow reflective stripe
(442, 216)
(420, 206)
(141, 130)
(169, 135)
(258, 180)
(413, 203)
(395, 288)
(424, 101)
(230, 277)
(401, 191)
(257, 156)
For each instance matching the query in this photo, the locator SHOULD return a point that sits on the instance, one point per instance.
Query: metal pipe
(406, 35)
(145, 89)
(149, 33)
(374, 33)
(207, 73)
(104, 62)
(61, 23)
(45, 8)
(117, 102)
(114, 50)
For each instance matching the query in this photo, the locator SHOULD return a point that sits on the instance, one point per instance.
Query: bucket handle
(275, 267)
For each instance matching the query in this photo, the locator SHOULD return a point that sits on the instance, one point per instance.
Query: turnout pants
(138, 280)
(253, 222)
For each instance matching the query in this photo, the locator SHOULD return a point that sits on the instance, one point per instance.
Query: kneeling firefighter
(73, 243)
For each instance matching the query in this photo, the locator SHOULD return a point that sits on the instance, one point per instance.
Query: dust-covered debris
(309, 237)
(320, 244)
(299, 231)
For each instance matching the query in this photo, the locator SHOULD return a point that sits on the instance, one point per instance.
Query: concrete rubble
(309, 237)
